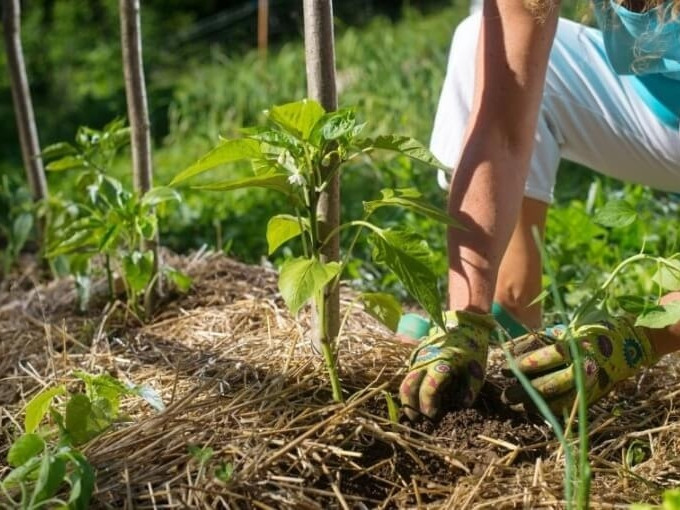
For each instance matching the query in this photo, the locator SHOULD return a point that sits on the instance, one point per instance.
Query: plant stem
(109, 277)
(303, 234)
(327, 348)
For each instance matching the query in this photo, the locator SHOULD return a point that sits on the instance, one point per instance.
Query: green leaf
(334, 125)
(392, 407)
(403, 145)
(58, 150)
(274, 138)
(229, 151)
(66, 163)
(300, 279)
(24, 449)
(111, 190)
(38, 406)
(50, 477)
(160, 194)
(201, 454)
(272, 180)
(224, 471)
(84, 421)
(660, 316)
(637, 452)
(615, 214)
(22, 473)
(411, 199)
(78, 242)
(668, 275)
(108, 240)
(540, 298)
(282, 228)
(632, 304)
(671, 499)
(21, 229)
(410, 259)
(383, 307)
(181, 280)
(297, 118)
(82, 482)
(104, 386)
(138, 270)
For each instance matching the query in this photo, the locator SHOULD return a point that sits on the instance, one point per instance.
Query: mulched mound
(238, 376)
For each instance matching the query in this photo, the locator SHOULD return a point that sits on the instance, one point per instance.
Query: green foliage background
(204, 83)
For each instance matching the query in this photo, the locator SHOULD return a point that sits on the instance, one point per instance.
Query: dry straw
(238, 376)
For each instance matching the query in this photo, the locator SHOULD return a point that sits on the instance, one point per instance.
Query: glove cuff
(453, 318)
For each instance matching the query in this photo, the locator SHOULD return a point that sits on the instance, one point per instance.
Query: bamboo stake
(321, 86)
(262, 27)
(138, 113)
(21, 97)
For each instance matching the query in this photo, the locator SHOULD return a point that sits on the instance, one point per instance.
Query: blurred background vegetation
(206, 78)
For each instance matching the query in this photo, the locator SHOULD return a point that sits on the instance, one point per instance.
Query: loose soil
(237, 375)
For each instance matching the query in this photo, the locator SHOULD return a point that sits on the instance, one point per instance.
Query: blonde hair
(541, 8)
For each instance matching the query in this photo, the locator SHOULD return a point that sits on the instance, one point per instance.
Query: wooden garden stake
(21, 96)
(262, 27)
(138, 113)
(321, 86)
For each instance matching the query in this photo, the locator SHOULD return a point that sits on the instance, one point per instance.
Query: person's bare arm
(488, 185)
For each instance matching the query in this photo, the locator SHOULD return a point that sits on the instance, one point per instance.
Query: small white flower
(297, 179)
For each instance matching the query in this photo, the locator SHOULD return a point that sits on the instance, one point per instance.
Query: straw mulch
(238, 376)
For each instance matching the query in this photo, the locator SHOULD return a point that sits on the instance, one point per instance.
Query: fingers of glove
(543, 359)
(475, 381)
(527, 343)
(408, 393)
(549, 386)
(437, 380)
(522, 346)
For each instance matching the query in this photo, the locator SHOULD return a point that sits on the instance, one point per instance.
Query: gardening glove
(613, 350)
(448, 361)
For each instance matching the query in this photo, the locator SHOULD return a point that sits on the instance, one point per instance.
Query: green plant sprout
(16, 205)
(46, 459)
(103, 218)
(287, 156)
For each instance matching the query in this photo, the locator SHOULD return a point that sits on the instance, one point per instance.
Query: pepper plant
(288, 156)
(103, 218)
(48, 468)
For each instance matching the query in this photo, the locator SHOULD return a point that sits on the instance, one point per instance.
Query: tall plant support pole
(21, 96)
(321, 86)
(262, 27)
(138, 113)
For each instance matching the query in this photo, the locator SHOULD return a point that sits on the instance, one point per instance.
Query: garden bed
(249, 422)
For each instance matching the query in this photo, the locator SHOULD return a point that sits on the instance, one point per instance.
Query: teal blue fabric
(506, 321)
(645, 49)
(413, 326)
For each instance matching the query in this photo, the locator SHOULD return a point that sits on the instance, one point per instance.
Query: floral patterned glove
(452, 360)
(613, 350)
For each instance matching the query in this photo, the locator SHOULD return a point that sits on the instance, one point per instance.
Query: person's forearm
(487, 188)
(488, 205)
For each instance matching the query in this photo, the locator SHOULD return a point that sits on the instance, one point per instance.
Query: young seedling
(105, 219)
(46, 459)
(288, 156)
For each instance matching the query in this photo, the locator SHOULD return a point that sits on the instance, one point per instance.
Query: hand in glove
(448, 361)
(612, 350)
